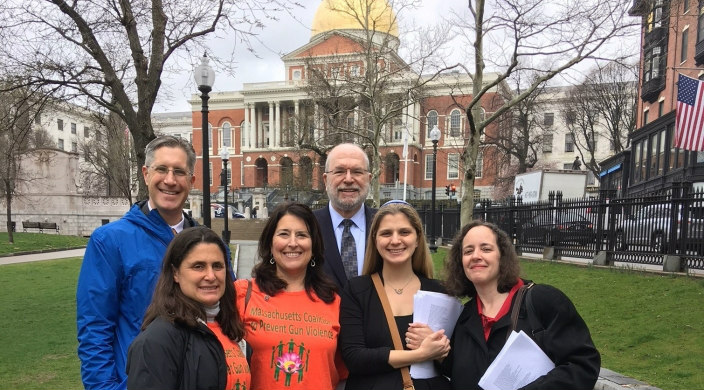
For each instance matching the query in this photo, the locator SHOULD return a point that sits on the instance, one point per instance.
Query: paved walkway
(42, 256)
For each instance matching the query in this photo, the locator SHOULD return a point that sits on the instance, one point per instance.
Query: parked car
(650, 228)
(554, 228)
(219, 211)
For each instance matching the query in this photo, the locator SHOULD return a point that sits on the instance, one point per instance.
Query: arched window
(455, 120)
(286, 173)
(432, 119)
(226, 135)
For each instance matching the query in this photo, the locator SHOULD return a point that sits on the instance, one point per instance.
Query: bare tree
(519, 134)
(544, 36)
(109, 166)
(603, 106)
(18, 109)
(113, 53)
(363, 96)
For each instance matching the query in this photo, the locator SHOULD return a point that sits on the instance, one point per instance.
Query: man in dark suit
(347, 180)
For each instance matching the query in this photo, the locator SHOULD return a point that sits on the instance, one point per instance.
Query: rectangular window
(226, 136)
(644, 161)
(547, 143)
(210, 169)
(662, 144)
(428, 167)
(60, 124)
(73, 128)
(86, 131)
(645, 118)
(569, 142)
(549, 118)
(453, 166)
(480, 164)
(683, 50)
(685, 6)
(661, 108)
(61, 144)
(74, 147)
(350, 122)
(591, 179)
(209, 134)
(653, 156)
(229, 173)
(243, 135)
(700, 23)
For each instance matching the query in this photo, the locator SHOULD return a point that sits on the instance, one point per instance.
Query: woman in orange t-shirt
(191, 328)
(290, 308)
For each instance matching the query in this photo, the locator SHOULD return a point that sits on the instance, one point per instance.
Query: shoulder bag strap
(517, 307)
(405, 373)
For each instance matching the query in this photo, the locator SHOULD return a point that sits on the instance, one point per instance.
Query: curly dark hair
(316, 279)
(456, 281)
(170, 303)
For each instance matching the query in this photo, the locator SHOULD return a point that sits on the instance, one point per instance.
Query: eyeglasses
(164, 170)
(341, 172)
(396, 201)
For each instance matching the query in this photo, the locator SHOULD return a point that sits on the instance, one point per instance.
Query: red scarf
(488, 322)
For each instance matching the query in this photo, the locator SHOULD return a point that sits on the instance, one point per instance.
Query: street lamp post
(225, 155)
(435, 137)
(205, 76)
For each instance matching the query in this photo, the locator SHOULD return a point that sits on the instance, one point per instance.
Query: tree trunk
(10, 233)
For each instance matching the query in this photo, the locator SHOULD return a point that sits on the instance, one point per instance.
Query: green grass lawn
(646, 326)
(25, 242)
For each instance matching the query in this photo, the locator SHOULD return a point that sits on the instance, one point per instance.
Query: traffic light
(453, 189)
(447, 190)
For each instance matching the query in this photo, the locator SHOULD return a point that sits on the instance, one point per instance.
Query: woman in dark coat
(397, 250)
(483, 265)
(191, 328)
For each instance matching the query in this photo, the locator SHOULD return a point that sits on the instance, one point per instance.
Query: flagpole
(405, 161)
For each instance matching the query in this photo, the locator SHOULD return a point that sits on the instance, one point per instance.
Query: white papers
(438, 311)
(520, 362)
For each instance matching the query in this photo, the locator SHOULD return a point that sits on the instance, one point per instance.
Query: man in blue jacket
(122, 263)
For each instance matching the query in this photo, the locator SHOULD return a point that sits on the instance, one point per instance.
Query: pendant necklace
(399, 291)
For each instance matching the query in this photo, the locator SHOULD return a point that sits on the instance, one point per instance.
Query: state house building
(277, 132)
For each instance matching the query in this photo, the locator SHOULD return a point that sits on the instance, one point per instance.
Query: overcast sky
(278, 38)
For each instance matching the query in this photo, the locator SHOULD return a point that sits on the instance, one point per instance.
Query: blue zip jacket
(119, 271)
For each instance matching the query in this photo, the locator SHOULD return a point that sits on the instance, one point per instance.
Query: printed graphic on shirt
(290, 362)
(304, 324)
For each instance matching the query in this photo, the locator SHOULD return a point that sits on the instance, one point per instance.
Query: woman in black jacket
(191, 328)
(483, 265)
(397, 250)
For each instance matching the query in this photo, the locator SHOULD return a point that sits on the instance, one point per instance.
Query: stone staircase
(240, 229)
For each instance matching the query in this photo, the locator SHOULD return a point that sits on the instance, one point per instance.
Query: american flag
(690, 114)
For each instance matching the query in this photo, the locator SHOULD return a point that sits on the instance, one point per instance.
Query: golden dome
(330, 16)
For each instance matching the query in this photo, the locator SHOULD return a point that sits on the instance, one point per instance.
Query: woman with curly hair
(483, 266)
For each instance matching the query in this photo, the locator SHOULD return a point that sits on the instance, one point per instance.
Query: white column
(295, 113)
(271, 124)
(253, 127)
(245, 126)
(260, 129)
(277, 128)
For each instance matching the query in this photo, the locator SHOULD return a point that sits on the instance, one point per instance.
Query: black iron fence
(641, 229)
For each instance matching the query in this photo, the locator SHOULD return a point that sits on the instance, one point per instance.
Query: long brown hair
(420, 261)
(169, 301)
(316, 279)
(456, 281)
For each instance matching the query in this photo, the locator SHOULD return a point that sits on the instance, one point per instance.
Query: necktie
(348, 250)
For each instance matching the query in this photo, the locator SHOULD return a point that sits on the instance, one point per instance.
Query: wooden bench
(41, 226)
(30, 225)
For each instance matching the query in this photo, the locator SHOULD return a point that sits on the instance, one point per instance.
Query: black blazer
(333, 262)
(365, 340)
